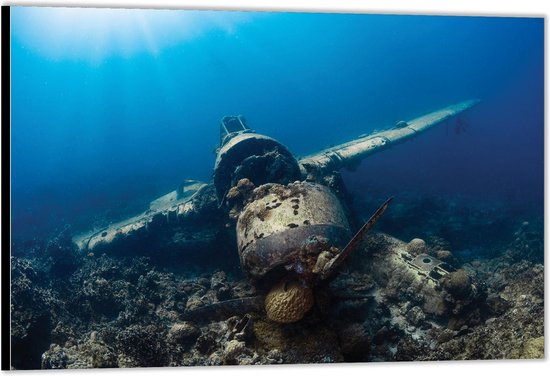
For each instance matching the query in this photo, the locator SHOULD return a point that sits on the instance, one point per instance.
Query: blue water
(111, 112)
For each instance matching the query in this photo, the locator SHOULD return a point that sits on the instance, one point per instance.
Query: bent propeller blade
(338, 260)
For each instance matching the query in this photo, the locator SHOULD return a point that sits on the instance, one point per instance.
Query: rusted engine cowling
(285, 228)
(259, 158)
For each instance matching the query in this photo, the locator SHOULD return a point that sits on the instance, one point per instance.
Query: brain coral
(416, 246)
(288, 302)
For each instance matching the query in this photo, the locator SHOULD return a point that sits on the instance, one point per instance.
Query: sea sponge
(416, 247)
(288, 302)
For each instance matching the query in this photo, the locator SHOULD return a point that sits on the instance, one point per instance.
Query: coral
(237, 196)
(307, 341)
(233, 193)
(90, 352)
(233, 350)
(533, 348)
(99, 356)
(62, 254)
(54, 358)
(512, 333)
(269, 334)
(354, 342)
(458, 283)
(184, 334)
(416, 316)
(218, 280)
(207, 342)
(528, 243)
(244, 186)
(288, 302)
(142, 346)
(416, 247)
(445, 255)
(30, 315)
(131, 311)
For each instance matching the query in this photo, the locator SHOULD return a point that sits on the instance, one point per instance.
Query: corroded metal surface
(352, 152)
(163, 213)
(430, 266)
(285, 222)
(176, 217)
(249, 145)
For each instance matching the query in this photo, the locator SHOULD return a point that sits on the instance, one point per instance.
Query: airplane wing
(172, 216)
(352, 152)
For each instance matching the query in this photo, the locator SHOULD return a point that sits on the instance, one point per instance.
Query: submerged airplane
(287, 218)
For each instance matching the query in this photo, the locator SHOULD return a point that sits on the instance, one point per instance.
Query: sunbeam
(93, 34)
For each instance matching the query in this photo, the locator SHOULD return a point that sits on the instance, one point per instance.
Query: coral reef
(109, 311)
(515, 325)
(471, 228)
(30, 315)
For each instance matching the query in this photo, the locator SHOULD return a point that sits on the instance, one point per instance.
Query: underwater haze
(121, 257)
(113, 108)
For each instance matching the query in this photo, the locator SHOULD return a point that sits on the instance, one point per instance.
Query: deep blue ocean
(111, 109)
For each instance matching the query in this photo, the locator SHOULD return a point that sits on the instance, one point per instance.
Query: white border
(523, 8)
(526, 8)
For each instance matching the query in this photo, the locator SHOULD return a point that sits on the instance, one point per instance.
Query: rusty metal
(338, 260)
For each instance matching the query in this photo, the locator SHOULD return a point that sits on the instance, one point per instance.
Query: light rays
(94, 34)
